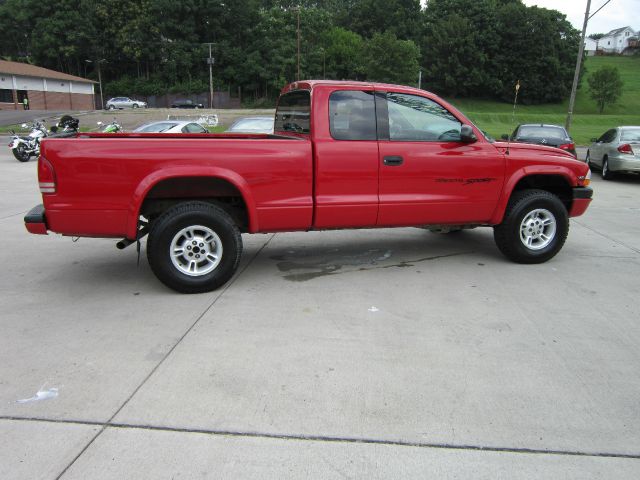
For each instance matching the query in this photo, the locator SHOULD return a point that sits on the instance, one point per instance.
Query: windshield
(537, 131)
(630, 135)
(156, 127)
(253, 124)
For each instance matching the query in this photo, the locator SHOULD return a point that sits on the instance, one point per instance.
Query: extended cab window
(292, 114)
(352, 115)
(413, 118)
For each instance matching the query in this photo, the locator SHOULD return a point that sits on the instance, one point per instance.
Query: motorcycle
(25, 147)
(67, 124)
(113, 127)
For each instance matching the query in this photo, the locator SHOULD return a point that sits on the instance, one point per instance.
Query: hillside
(496, 117)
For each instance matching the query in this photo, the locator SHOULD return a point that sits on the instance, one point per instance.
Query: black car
(186, 104)
(541, 134)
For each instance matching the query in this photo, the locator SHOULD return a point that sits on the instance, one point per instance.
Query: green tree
(605, 86)
(343, 52)
(388, 59)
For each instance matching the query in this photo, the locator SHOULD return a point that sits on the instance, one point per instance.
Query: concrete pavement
(357, 354)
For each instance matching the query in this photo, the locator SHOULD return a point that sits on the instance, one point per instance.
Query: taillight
(46, 176)
(567, 146)
(625, 148)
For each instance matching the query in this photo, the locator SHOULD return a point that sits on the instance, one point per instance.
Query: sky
(616, 14)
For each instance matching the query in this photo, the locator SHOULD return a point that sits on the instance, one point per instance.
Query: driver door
(428, 176)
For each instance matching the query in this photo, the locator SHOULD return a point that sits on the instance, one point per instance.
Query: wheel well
(555, 184)
(170, 192)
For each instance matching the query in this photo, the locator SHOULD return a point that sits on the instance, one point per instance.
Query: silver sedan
(124, 102)
(616, 151)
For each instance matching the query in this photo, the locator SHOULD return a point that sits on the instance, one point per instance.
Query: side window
(418, 119)
(292, 114)
(352, 115)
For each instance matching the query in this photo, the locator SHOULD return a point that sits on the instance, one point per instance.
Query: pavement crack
(608, 237)
(162, 360)
(325, 438)
(14, 215)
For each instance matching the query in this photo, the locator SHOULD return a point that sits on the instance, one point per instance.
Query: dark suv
(541, 134)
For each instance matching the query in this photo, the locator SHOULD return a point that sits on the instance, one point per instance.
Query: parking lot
(394, 353)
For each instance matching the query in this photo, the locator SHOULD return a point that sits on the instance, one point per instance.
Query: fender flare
(151, 180)
(507, 191)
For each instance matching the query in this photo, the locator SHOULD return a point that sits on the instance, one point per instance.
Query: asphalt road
(391, 353)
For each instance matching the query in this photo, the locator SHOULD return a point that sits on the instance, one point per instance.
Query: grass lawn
(496, 118)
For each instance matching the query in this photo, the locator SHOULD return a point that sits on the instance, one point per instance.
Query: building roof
(618, 31)
(28, 70)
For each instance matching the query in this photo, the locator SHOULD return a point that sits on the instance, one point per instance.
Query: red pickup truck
(343, 155)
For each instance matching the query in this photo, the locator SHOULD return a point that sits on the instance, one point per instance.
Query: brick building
(45, 89)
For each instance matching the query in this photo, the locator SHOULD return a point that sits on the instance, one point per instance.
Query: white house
(590, 46)
(616, 41)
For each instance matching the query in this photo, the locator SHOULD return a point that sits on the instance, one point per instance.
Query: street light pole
(576, 75)
(210, 61)
(100, 82)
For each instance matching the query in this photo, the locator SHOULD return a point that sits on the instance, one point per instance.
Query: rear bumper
(624, 163)
(581, 200)
(35, 221)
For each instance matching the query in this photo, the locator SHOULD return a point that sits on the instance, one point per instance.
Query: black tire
(606, 173)
(111, 107)
(135, 105)
(524, 205)
(194, 216)
(20, 152)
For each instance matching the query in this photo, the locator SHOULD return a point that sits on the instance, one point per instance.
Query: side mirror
(467, 135)
(504, 136)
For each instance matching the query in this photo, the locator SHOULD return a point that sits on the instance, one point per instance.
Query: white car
(124, 102)
(171, 126)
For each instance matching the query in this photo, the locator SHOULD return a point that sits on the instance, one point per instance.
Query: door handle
(393, 161)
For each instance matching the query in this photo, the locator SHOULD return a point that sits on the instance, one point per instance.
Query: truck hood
(525, 148)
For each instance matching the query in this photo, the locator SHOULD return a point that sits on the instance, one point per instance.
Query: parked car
(252, 125)
(616, 151)
(171, 126)
(186, 104)
(124, 102)
(541, 134)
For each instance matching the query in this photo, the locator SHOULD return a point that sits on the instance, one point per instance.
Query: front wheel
(534, 228)
(20, 152)
(194, 247)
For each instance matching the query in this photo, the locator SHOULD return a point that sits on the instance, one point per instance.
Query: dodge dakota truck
(343, 155)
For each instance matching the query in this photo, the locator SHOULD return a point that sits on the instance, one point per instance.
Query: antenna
(513, 115)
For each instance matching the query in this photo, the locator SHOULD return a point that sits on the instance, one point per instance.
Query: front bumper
(581, 200)
(35, 221)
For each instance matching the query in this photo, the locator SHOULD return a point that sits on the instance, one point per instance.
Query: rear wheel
(606, 173)
(534, 228)
(135, 105)
(194, 247)
(20, 152)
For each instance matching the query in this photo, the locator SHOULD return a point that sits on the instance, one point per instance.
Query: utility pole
(298, 76)
(210, 61)
(576, 75)
(420, 79)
